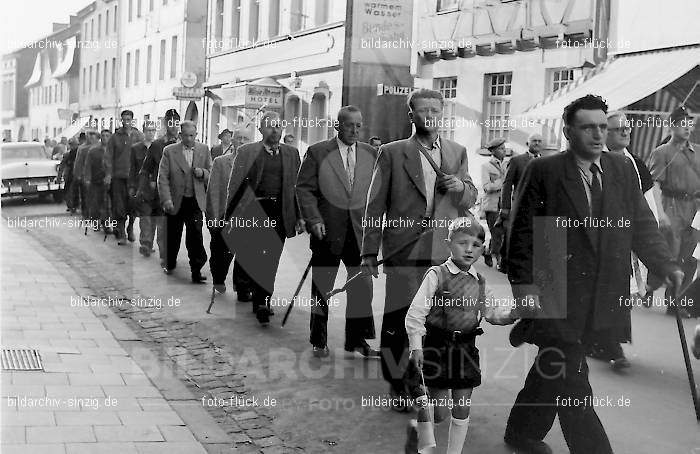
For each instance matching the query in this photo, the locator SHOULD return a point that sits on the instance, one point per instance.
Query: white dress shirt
(346, 150)
(429, 175)
(189, 154)
(496, 311)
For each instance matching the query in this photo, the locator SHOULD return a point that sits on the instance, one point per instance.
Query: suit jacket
(245, 178)
(324, 192)
(398, 190)
(149, 169)
(492, 177)
(117, 159)
(216, 189)
(550, 256)
(173, 170)
(516, 168)
(218, 150)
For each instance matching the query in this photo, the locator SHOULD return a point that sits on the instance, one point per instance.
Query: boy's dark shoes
(244, 296)
(527, 445)
(221, 288)
(321, 352)
(197, 278)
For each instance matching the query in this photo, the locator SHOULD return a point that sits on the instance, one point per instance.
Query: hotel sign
(253, 96)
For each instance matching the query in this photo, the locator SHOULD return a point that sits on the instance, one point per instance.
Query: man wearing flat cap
(226, 145)
(493, 174)
(675, 167)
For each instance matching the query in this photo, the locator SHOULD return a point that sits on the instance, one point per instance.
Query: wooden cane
(686, 356)
(335, 291)
(296, 293)
(211, 302)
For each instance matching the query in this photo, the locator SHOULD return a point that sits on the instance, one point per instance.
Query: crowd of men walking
(409, 201)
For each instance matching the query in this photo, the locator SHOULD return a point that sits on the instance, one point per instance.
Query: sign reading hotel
(260, 95)
(381, 32)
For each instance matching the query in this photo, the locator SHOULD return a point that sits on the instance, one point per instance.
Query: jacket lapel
(180, 158)
(336, 163)
(573, 187)
(413, 166)
(363, 171)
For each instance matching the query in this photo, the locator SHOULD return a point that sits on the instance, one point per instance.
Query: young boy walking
(447, 310)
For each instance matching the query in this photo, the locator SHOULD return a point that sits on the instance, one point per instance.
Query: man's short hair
(588, 102)
(284, 139)
(188, 123)
(346, 110)
(468, 225)
(424, 93)
(267, 115)
(126, 112)
(106, 130)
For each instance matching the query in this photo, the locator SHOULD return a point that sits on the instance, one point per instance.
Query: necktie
(596, 193)
(350, 168)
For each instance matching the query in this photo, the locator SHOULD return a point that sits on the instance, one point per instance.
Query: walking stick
(296, 293)
(686, 356)
(360, 273)
(211, 302)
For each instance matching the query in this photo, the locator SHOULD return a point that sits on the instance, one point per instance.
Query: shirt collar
(436, 144)
(586, 165)
(342, 145)
(454, 269)
(270, 150)
(533, 154)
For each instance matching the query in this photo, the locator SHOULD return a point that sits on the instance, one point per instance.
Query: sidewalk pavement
(91, 397)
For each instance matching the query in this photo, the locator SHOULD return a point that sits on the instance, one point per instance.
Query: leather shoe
(197, 278)
(263, 316)
(221, 288)
(528, 445)
(321, 352)
(167, 270)
(363, 348)
(521, 332)
(130, 236)
(146, 252)
(619, 363)
(244, 296)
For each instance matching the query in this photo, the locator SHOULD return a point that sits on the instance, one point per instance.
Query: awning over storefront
(36, 72)
(68, 59)
(74, 128)
(621, 81)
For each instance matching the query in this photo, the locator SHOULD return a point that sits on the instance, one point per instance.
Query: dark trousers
(258, 251)
(190, 217)
(119, 192)
(83, 196)
(359, 323)
(152, 225)
(558, 384)
(97, 208)
(402, 283)
(497, 233)
(70, 192)
(221, 257)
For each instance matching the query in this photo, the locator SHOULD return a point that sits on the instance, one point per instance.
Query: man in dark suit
(262, 210)
(147, 226)
(576, 219)
(514, 173)
(415, 197)
(332, 191)
(182, 184)
(224, 147)
(150, 210)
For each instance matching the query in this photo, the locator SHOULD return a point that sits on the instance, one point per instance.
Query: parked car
(25, 169)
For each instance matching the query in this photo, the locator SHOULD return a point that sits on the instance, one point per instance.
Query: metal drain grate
(21, 359)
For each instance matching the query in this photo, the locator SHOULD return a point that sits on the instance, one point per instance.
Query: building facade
(16, 70)
(99, 68)
(304, 59)
(160, 62)
(53, 84)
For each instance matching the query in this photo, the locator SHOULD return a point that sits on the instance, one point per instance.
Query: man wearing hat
(226, 146)
(675, 168)
(152, 217)
(493, 174)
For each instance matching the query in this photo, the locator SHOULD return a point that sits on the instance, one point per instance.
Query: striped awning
(621, 81)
